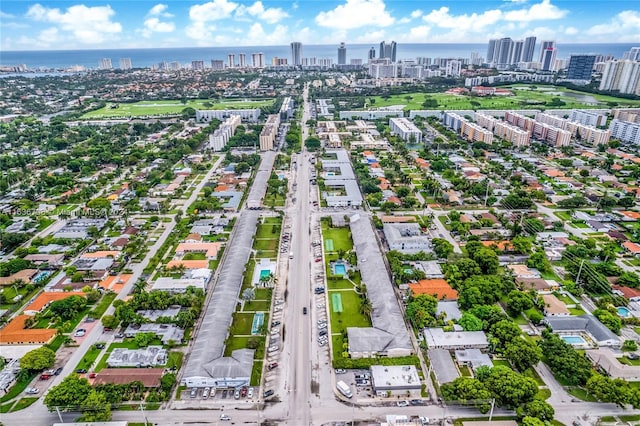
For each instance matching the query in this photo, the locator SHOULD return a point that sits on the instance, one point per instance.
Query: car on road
(119, 336)
(81, 371)
(268, 393)
(272, 365)
(58, 371)
(250, 393)
(32, 391)
(236, 394)
(402, 403)
(304, 310)
(80, 332)
(225, 417)
(45, 376)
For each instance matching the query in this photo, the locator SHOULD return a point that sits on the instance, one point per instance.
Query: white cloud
(515, 1)
(270, 15)
(417, 34)
(372, 37)
(537, 12)
(571, 31)
(153, 24)
(4, 15)
(624, 27)
(88, 25)
(416, 13)
(474, 22)
(160, 10)
(356, 14)
(214, 10)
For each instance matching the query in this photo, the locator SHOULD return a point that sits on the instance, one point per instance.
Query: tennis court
(258, 320)
(336, 302)
(328, 244)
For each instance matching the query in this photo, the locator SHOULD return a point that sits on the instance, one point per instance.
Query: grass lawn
(248, 274)
(502, 362)
(256, 373)
(175, 359)
(144, 108)
(580, 225)
(464, 371)
(103, 305)
(341, 238)
(520, 320)
(17, 388)
(258, 305)
(563, 215)
(340, 284)
(234, 343)
(24, 403)
(627, 361)
(263, 293)
(576, 311)
(336, 345)
(87, 361)
(350, 315)
(265, 244)
(241, 323)
(581, 394)
(530, 372)
(524, 98)
(565, 299)
(195, 256)
(543, 394)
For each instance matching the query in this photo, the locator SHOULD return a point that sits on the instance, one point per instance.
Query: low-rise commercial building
(406, 238)
(395, 379)
(436, 338)
(147, 357)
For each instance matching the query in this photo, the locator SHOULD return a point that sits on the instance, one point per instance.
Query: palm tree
(366, 307)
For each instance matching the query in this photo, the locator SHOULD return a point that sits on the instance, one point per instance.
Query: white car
(32, 391)
(250, 393)
(79, 333)
(225, 417)
(403, 403)
(273, 348)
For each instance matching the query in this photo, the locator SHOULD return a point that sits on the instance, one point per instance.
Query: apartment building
(503, 130)
(269, 132)
(405, 128)
(625, 131)
(218, 140)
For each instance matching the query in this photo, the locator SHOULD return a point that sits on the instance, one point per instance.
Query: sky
(95, 24)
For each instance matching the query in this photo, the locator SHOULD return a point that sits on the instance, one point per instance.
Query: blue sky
(71, 24)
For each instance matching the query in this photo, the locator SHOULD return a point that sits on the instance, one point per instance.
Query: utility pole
(59, 415)
(493, 403)
(579, 271)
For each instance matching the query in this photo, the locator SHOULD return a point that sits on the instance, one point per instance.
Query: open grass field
(340, 236)
(145, 108)
(524, 98)
(350, 315)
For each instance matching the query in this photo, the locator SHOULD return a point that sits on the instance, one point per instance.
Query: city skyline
(59, 26)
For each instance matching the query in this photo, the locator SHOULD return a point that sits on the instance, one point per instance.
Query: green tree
(539, 261)
(470, 322)
(465, 389)
(442, 247)
(312, 143)
(96, 408)
(566, 363)
(606, 389)
(488, 261)
(538, 409)
(522, 354)
(518, 301)
(99, 203)
(69, 393)
(532, 421)
(505, 332)
(421, 311)
(38, 359)
(609, 319)
(510, 388)
(521, 245)
(144, 339)
(110, 321)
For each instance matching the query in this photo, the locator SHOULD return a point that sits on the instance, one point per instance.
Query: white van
(344, 389)
(205, 393)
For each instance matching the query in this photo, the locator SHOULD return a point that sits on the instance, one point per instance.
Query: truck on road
(344, 389)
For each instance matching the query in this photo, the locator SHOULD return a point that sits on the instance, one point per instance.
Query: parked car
(272, 365)
(236, 394)
(81, 371)
(304, 310)
(58, 371)
(93, 375)
(243, 392)
(402, 403)
(205, 393)
(99, 345)
(340, 371)
(193, 393)
(250, 393)
(416, 402)
(268, 393)
(32, 391)
(79, 333)
(275, 323)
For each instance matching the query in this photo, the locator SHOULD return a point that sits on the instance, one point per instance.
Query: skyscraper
(527, 50)
(125, 63)
(580, 67)
(623, 75)
(388, 50)
(504, 47)
(197, 65)
(342, 54)
(516, 53)
(296, 53)
(491, 51)
(544, 45)
(633, 54)
(257, 60)
(242, 58)
(548, 58)
(231, 60)
(105, 64)
(372, 53)
(217, 64)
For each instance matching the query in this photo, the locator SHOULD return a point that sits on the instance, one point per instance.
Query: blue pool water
(41, 276)
(340, 269)
(623, 312)
(258, 320)
(574, 340)
(264, 273)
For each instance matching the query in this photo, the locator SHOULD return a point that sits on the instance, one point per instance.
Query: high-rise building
(453, 68)
(217, 64)
(174, 66)
(372, 53)
(388, 50)
(527, 50)
(231, 60)
(296, 53)
(633, 54)
(197, 65)
(342, 54)
(491, 50)
(544, 45)
(580, 67)
(105, 64)
(257, 60)
(548, 56)
(125, 63)
(516, 53)
(623, 76)
(504, 47)
(242, 60)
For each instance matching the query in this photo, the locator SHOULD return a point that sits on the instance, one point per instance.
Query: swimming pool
(623, 312)
(339, 269)
(258, 320)
(264, 274)
(574, 340)
(41, 276)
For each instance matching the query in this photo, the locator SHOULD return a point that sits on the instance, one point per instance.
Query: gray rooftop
(233, 198)
(473, 357)
(239, 364)
(209, 342)
(386, 315)
(438, 338)
(166, 332)
(450, 308)
(154, 314)
(443, 366)
(585, 322)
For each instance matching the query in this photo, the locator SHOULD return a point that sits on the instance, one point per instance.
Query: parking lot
(244, 394)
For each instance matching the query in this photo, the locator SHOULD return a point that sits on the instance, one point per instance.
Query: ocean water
(142, 58)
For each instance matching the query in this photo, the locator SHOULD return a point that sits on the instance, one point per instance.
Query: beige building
(269, 132)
